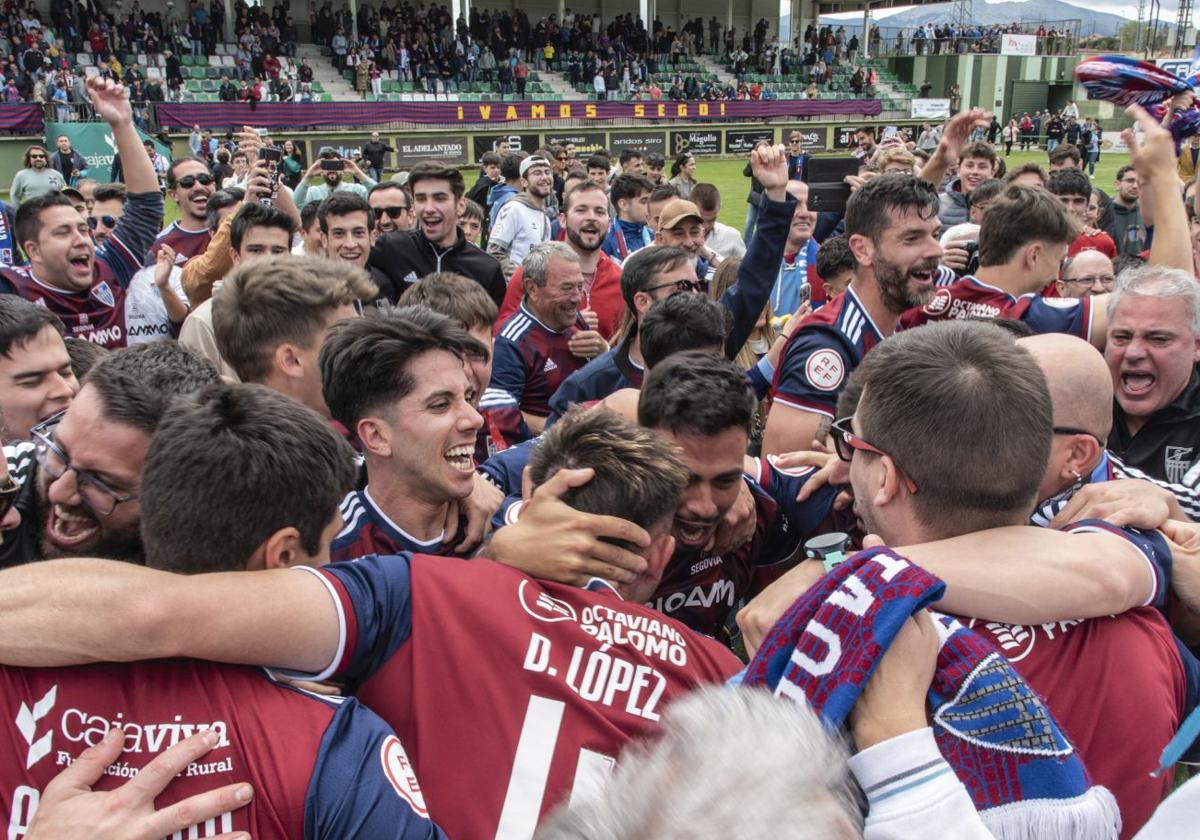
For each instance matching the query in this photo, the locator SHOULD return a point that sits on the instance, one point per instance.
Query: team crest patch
(825, 370)
(1177, 460)
(939, 303)
(103, 293)
(400, 773)
(543, 606)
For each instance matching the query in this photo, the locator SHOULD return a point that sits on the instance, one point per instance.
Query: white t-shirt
(145, 313)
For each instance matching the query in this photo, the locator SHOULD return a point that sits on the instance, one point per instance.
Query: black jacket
(1167, 447)
(404, 257)
(375, 152)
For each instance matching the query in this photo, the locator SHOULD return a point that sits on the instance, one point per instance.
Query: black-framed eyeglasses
(845, 442)
(189, 181)
(1105, 280)
(392, 212)
(108, 221)
(700, 286)
(100, 497)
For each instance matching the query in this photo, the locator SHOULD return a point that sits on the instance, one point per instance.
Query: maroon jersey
(99, 313)
(185, 243)
(321, 767)
(972, 298)
(368, 530)
(510, 693)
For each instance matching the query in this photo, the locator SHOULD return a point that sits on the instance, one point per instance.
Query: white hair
(727, 763)
(1159, 282)
(536, 265)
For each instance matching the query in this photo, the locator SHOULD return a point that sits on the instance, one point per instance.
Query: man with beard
(1022, 242)
(585, 221)
(84, 285)
(522, 223)
(436, 244)
(331, 179)
(392, 206)
(37, 178)
(89, 457)
(630, 195)
(891, 225)
(190, 184)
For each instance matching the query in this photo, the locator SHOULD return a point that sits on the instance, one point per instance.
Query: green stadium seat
(316, 88)
(193, 86)
(326, 97)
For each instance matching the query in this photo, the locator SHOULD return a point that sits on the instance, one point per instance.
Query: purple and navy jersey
(99, 313)
(538, 684)
(504, 469)
(822, 352)
(972, 298)
(321, 767)
(529, 363)
(606, 374)
(368, 530)
(185, 243)
(704, 590)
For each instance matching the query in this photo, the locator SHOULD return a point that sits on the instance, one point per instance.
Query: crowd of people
(539, 505)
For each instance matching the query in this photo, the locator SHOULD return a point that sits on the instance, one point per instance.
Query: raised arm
(954, 139)
(111, 102)
(1156, 163)
(68, 612)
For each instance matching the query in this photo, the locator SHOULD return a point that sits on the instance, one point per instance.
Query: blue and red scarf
(1022, 773)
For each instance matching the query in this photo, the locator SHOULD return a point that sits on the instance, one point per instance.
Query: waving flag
(1127, 81)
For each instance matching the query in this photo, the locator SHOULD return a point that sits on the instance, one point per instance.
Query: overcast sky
(1115, 7)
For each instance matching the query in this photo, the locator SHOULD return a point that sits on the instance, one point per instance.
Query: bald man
(1085, 274)
(1082, 479)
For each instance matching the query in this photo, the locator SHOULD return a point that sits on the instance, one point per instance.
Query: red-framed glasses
(845, 442)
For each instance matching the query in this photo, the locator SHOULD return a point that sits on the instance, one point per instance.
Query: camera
(333, 165)
(272, 154)
(972, 249)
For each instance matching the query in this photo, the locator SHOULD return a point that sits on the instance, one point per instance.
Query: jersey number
(531, 769)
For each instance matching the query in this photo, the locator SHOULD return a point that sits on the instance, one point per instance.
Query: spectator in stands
(332, 168)
(69, 163)
(1074, 190)
(36, 379)
(683, 174)
(1088, 273)
(522, 223)
(37, 177)
(436, 244)
(719, 238)
(392, 206)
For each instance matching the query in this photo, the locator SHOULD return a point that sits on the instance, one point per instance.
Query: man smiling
(190, 184)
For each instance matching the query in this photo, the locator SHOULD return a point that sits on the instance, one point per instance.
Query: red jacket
(605, 297)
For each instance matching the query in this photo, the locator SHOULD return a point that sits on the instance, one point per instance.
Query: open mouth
(692, 533)
(81, 262)
(1137, 383)
(461, 458)
(69, 528)
(923, 277)
(201, 200)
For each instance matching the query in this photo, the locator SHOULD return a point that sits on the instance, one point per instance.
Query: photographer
(332, 168)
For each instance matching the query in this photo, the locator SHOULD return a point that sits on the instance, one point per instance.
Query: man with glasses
(392, 206)
(37, 178)
(1086, 274)
(107, 208)
(86, 285)
(190, 185)
(89, 457)
(797, 157)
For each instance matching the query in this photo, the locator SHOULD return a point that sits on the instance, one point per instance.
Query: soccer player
(891, 226)
(1022, 243)
(83, 497)
(399, 382)
(83, 285)
(541, 344)
(270, 319)
(190, 184)
(321, 768)
(573, 673)
(585, 220)
(36, 381)
(436, 244)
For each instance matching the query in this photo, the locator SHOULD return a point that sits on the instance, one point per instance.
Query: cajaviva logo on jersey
(82, 729)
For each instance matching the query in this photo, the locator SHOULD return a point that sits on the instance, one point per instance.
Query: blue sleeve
(1151, 544)
(504, 469)
(756, 275)
(1060, 315)
(508, 511)
(363, 784)
(377, 603)
(813, 372)
(508, 370)
(132, 237)
(759, 377)
(784, 485)
(780, 538)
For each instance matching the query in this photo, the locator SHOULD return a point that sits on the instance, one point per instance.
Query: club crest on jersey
(400, 773)
(1176, 461)
(27, 725)
(103, 293)
(543, 606)
(825, 370)
(939, 303)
